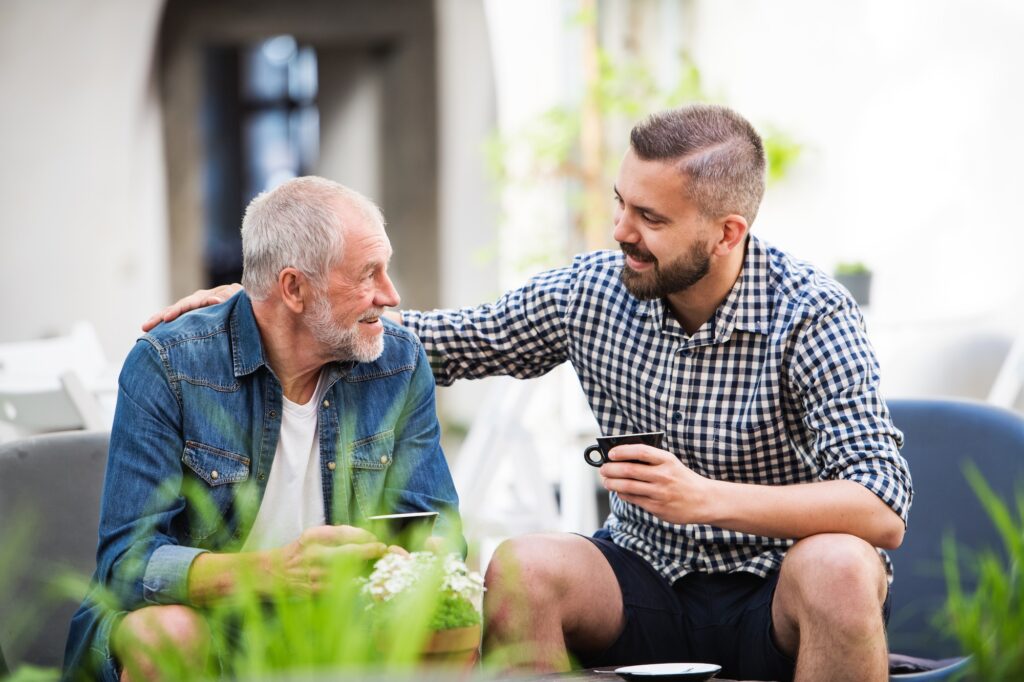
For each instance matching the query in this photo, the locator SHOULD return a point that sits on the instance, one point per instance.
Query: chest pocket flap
(214, 465)
(374, 452)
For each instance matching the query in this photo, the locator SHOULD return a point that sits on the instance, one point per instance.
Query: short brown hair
(716, 148)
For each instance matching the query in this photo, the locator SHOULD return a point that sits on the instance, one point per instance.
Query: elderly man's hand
(305, 564)
(198, 299)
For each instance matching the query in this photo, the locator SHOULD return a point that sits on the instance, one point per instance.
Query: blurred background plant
(335, 632)
(276, 632)
(985, 607)
(580, 144)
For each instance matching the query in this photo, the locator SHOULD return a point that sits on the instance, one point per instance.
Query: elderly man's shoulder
(197, 324)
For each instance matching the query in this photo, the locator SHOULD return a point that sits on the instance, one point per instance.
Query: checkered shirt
(779, 387)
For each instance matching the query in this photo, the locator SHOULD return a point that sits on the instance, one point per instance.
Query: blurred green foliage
(989, 620)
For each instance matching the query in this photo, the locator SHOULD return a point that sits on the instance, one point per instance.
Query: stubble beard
(343, 343)
(679, 275)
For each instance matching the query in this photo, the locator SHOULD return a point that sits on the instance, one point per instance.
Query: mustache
(634, 251)
(372, 313)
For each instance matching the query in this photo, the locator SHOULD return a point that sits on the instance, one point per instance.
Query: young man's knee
(527, 563)
(838, 556)
(836, 567)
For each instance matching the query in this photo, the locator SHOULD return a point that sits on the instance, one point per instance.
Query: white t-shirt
(294, 499)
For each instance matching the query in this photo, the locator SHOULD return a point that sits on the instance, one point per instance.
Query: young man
(294, 398)
(750, 539)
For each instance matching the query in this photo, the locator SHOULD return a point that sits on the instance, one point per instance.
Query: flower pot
(457, 647)
(858, 284)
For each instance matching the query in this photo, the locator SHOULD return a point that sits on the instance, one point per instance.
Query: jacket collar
(247, 353)
(246, 344)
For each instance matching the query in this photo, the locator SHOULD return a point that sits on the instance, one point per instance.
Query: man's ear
(295, 290)
(733, 230)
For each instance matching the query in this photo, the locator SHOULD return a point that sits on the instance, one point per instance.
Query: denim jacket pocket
(215, 466)
(217, 471)
(371, 459)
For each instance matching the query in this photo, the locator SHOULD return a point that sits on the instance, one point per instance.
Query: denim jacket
(200, 409)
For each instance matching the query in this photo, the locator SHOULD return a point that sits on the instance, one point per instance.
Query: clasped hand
(656, 481)
(305, 564)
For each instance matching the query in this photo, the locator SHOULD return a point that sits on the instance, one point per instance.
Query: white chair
(56, 384)
(1008, 387)
(521, 469)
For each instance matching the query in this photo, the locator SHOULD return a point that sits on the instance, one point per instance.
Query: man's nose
(623, 230)
(387, 296)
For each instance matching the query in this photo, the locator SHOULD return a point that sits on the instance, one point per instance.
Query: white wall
(910, 112)
(82, 206)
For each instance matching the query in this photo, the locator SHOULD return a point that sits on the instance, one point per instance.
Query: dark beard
(679, 275)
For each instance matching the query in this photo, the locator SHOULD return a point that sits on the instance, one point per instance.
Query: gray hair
(716, 149)
(298, 225)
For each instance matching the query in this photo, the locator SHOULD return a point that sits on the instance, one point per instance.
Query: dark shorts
(724, 619)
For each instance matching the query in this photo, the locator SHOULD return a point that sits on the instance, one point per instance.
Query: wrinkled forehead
(364, 237)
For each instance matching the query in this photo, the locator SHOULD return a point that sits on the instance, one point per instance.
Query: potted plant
(424, 581)
(856, 277)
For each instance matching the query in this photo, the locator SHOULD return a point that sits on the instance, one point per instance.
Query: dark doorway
(260, 127)
(256, 91)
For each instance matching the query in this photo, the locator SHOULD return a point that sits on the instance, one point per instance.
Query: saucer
(669, 671)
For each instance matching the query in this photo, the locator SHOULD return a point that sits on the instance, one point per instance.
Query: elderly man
(295, 394)
(751, 539)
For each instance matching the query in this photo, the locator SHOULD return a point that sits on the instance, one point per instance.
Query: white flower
(396, 573)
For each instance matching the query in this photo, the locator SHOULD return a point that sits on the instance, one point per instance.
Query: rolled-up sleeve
(854, 437)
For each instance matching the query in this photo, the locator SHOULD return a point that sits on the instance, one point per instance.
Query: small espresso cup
(596, 455)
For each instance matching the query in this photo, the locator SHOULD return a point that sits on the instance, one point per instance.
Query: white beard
(343, 343)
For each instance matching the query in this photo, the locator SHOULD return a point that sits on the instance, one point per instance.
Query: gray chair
(942, 436)
(52, 485)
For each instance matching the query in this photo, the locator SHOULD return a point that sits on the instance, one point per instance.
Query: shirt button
(262, 477)
(332, 466)
(273, 413)
(677, 417)
(383, 459)
(685, 352)
(214, 475)
(327, 403)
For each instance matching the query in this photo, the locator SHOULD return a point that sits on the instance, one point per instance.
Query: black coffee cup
(409, 530)
(596, 455)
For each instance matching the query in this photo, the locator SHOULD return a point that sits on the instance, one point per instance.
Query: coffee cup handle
(590, 460)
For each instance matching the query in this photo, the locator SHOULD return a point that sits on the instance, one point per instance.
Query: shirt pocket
(751, 453)
(371, 460)
(210, 486)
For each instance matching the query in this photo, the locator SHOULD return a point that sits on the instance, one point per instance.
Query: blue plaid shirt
(779, 387)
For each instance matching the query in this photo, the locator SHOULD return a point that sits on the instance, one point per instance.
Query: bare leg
(827, 611)
(176, 632)
(547, 594)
